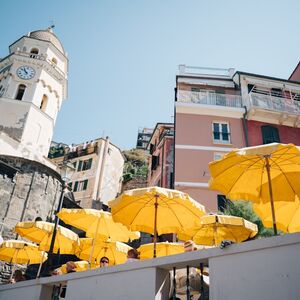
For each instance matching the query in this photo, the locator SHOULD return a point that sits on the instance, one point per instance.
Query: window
(20, 92)
(270, 134)
(80, 185)
(221, 133)
(44, 103)
(84, 164)
(218, 155)
(34, 52)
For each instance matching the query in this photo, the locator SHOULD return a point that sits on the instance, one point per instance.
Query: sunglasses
(104, 261)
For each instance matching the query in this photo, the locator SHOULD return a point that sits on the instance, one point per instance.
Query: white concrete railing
(208, 98)
(259, 269)
(274, 103)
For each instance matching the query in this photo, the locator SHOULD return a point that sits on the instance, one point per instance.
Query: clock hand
(25, 71)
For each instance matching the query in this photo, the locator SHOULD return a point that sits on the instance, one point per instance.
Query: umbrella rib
(242, 174)
(187, 208)
(174, 214)
(150, 199)
(283, 173)
(261, 180)
(231, 166)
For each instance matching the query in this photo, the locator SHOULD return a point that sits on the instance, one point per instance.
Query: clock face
(25, 72)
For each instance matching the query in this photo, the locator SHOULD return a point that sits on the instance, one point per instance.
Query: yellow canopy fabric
(81, 265)
(242, 174)
(21, 252)
(216, 228)
(87, 220)
(287, 215)
(162, 249)
(115, 251)
(40, 232)
(175, 210)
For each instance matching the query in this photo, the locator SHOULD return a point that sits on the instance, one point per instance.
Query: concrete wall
(265, 269)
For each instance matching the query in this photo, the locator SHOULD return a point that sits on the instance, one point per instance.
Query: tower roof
(49, 36)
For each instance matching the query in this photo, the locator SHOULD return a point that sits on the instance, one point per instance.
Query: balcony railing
(274, 103)
(209, 98)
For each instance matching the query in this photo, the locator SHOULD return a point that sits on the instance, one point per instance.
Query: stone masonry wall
(32, 192)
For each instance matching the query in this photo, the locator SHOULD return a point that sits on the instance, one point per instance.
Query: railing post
(188, 288)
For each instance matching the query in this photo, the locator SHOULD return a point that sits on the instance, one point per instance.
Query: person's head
(70, 267)
(133, 253)
(18, 276)
(104, 261)
(189, 246)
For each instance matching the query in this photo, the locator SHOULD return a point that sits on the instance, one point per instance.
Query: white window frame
(218, 155)
(221, 141)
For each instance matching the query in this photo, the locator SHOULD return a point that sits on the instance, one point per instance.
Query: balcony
(260, 269)
(274, 103)
(208, 98)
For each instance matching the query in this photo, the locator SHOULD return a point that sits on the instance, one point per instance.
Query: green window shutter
(270, 134)
(85, 184)
(79, 166)
(76, 186)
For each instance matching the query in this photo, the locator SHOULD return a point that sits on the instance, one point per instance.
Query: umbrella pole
(12, 272)
(94, 241)
(271, 195)
(40, 266)
(155, 225)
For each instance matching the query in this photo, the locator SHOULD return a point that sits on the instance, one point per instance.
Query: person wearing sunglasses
(104, 262)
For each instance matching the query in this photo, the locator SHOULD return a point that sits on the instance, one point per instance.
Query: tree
(136, 164)
(244, 209)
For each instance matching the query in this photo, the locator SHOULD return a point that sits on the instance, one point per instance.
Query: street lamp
(66, 171)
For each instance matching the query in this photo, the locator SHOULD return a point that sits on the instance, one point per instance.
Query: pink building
(161, 147)
(295, 76)
(217, 110)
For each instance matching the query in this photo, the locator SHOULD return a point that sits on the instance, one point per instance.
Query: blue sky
(124, 55)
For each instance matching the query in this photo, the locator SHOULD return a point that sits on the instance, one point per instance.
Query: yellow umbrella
(66, 241)
(162, 249)
(156, 210)
(81, 265)
(21, 252)
(287, 214)
(115, 251)
(97, 222)
(266, 173)
(215, 228)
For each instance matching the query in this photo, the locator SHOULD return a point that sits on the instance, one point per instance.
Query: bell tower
(33, 85)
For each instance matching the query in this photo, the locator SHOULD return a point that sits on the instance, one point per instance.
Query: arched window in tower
(34, 52)
(54, 61)
(20, 92)
(44, 103)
